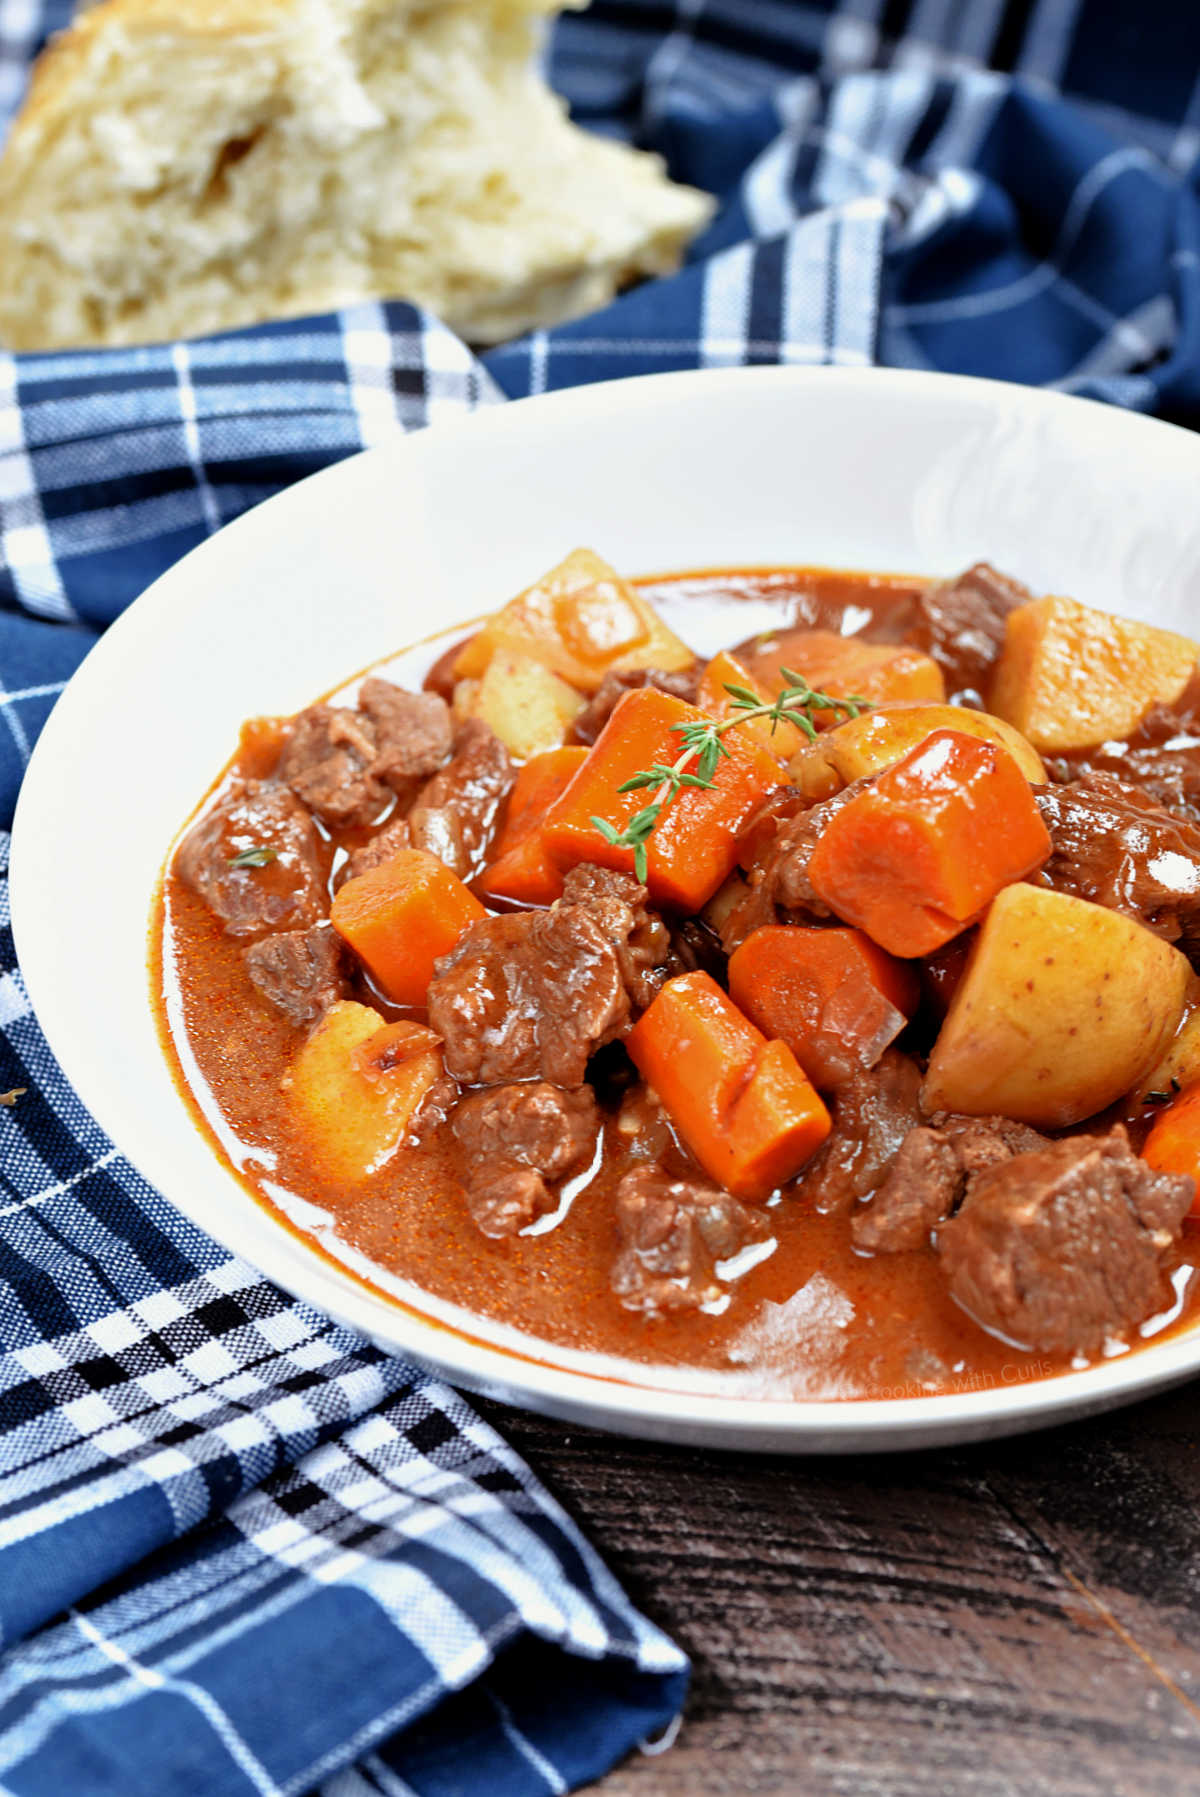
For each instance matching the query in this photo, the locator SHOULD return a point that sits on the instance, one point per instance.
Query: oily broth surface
(814, 1319)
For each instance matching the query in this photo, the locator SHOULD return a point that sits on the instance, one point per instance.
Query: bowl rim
(768, 1424)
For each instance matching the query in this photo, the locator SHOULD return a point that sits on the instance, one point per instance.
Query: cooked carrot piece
(833, 996)
(694, 845)
(776, 1125)
(356, 1085)
(1173, 1145)
(400, 916)
(842, 665)
(260, 744)
(725, 670)
(521, 869)
(920, 853)
(741, 1103)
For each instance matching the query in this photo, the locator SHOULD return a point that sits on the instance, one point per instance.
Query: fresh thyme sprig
(702, 744)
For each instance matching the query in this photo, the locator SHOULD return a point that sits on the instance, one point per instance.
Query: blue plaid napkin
(241, 1549)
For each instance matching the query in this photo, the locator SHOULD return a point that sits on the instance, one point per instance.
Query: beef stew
(693, 973)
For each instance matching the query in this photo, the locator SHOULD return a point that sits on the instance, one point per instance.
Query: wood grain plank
(1018, 1618)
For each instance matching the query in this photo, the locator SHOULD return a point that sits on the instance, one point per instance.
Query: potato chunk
(1063, 1007)
(528, 707)
(355, 1087)
(1070, 676)
(582, 621)
(877, 739)
(1180, 1063)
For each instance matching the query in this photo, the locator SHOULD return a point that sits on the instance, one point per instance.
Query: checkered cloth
(241, 1549)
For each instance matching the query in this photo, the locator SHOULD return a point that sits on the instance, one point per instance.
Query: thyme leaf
(256, 857)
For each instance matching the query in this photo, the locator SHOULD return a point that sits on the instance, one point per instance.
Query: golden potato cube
(355, 1087)
(528, 707)
(582, 621)
(866, 744)
(1063, 1008)
(1070, 676)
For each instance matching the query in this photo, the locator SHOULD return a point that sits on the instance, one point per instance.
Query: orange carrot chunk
(693, 847)
(920, 853)
(522, 869)
(838, 665)
(724, 670)
(400, 916)
(1173, 1145)
(776, 1125)
(833, 996)
(741, 1104)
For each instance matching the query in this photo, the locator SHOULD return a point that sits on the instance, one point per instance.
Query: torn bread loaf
(184, 166)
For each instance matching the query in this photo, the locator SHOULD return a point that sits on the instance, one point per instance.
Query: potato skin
(865, 744)
(1063, 1008)
(1181, 1061)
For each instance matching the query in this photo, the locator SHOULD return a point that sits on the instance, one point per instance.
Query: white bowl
(863, 469)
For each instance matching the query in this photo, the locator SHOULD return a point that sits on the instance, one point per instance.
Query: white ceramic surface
(867, 469)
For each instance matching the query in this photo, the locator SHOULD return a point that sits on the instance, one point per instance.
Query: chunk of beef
(787, 872)
(1115, 846)
(328, 761)
(696, 947)
(1161, 757)
(753, 912)
(386, 842)
(528, 996)
(1065, 1248)
(640, 937)
(932, 1168)
(982, 1142)
(507, 1199)
(300, 972)
(960, 623)
(672, 1232)
(457, 813)
(920, 1189)
(613, 687)
(287, 892)
(777, 848)
(873, 1111)
(513, 1139)
(534, 1123)
(1168, 776)
(643, 1130)
(413, 733)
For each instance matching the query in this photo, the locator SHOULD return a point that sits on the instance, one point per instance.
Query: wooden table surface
(1020, 1619)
